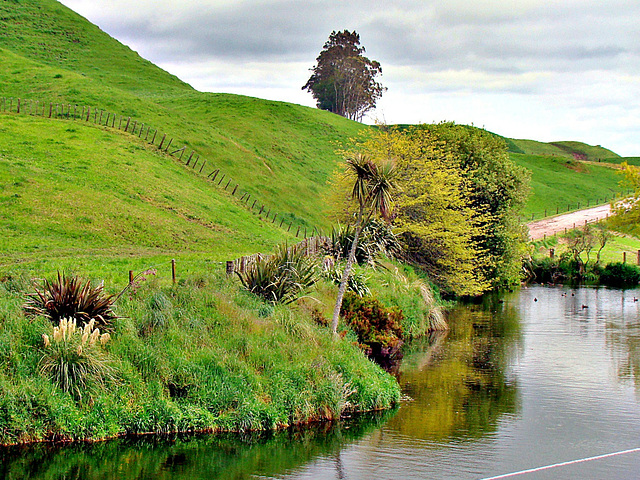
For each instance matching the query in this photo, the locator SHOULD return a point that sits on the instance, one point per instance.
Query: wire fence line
(572, 207)
(311, 246)
(165, 144)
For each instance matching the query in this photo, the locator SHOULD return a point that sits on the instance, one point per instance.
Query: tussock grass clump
(71, 298)
(74, 359)
(281, 277)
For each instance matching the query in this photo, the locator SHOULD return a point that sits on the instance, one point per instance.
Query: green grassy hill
(280, 153)
(560, 184)
(572, 150)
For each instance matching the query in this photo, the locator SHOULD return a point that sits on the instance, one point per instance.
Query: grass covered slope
(70, 190)
(280, 153)
(572, 150)
(559, 182)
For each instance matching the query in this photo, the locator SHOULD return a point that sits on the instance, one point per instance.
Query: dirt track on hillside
(549, 226)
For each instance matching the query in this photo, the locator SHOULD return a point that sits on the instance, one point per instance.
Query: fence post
(638, 260)
(173, 270)
(624, 257)
(230, 268)
(130, 277)
(552, 253)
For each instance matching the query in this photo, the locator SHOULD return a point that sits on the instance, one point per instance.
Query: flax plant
(74, 358)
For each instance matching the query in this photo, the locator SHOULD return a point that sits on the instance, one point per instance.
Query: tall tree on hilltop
(343, 80)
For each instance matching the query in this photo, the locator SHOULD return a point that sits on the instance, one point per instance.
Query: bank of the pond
(200, 356)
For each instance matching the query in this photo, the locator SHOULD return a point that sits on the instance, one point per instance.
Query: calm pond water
(528, 381)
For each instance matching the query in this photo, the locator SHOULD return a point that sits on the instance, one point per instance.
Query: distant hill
(573, 150)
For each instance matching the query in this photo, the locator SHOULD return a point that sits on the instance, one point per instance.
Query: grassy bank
(202, 355)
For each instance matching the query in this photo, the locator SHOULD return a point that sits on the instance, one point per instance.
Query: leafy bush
(280, 278)
(69, 297)
(377, 327)
(376, 239)
(74, 359)
(620, 275)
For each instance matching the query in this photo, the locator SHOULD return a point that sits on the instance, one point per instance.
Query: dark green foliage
(620, 275)
(377, 238)
(71, 297)
(343, 80)
(281, 277)
(376, 326)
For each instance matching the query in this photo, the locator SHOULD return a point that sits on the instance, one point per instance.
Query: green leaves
(280, 278)
(70, 297)
(343, 80)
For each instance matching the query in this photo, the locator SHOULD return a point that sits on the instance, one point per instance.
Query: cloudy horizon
(544, 70)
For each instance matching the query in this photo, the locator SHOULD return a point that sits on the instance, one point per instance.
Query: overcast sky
(540, 69)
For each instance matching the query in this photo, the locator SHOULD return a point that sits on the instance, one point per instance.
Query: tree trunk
(347, 272)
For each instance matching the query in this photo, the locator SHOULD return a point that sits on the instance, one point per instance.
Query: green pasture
(559, 184)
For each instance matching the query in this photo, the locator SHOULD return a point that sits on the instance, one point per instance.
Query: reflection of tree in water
(623, 338)
(209, 457)
(459, 382)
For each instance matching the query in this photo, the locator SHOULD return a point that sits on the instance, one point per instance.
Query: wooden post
(216, 174)
(161, 141)
(173, 270)
(230, 268)
(638, 260)
(253, 204)
(202, 166)
(552, 253)
(120, 123)
(234, 189)
(147, 134)
(261, 210)
(18, 106)
(298, 232)
(221, 178)
(227, 185)
(51, 110)
(130, 277)
(182, 151)
(154, 135)
(190, 157)
(127, 125)
(133, 128)
(168, 145)
(289, 226)
(101, 112)
(141, 129)
(624, 257)
(282, 220)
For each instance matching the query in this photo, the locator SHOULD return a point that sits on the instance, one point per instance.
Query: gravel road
(549, 226)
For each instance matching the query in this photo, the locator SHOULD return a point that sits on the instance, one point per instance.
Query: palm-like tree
(372, 187)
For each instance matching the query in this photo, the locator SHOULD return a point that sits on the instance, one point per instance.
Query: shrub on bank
(620, 275)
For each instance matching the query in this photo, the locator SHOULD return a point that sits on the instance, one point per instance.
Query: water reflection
(207, 457)
(459, 381)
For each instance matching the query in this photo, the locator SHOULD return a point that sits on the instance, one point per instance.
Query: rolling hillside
(73, 189)
(280, 153)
